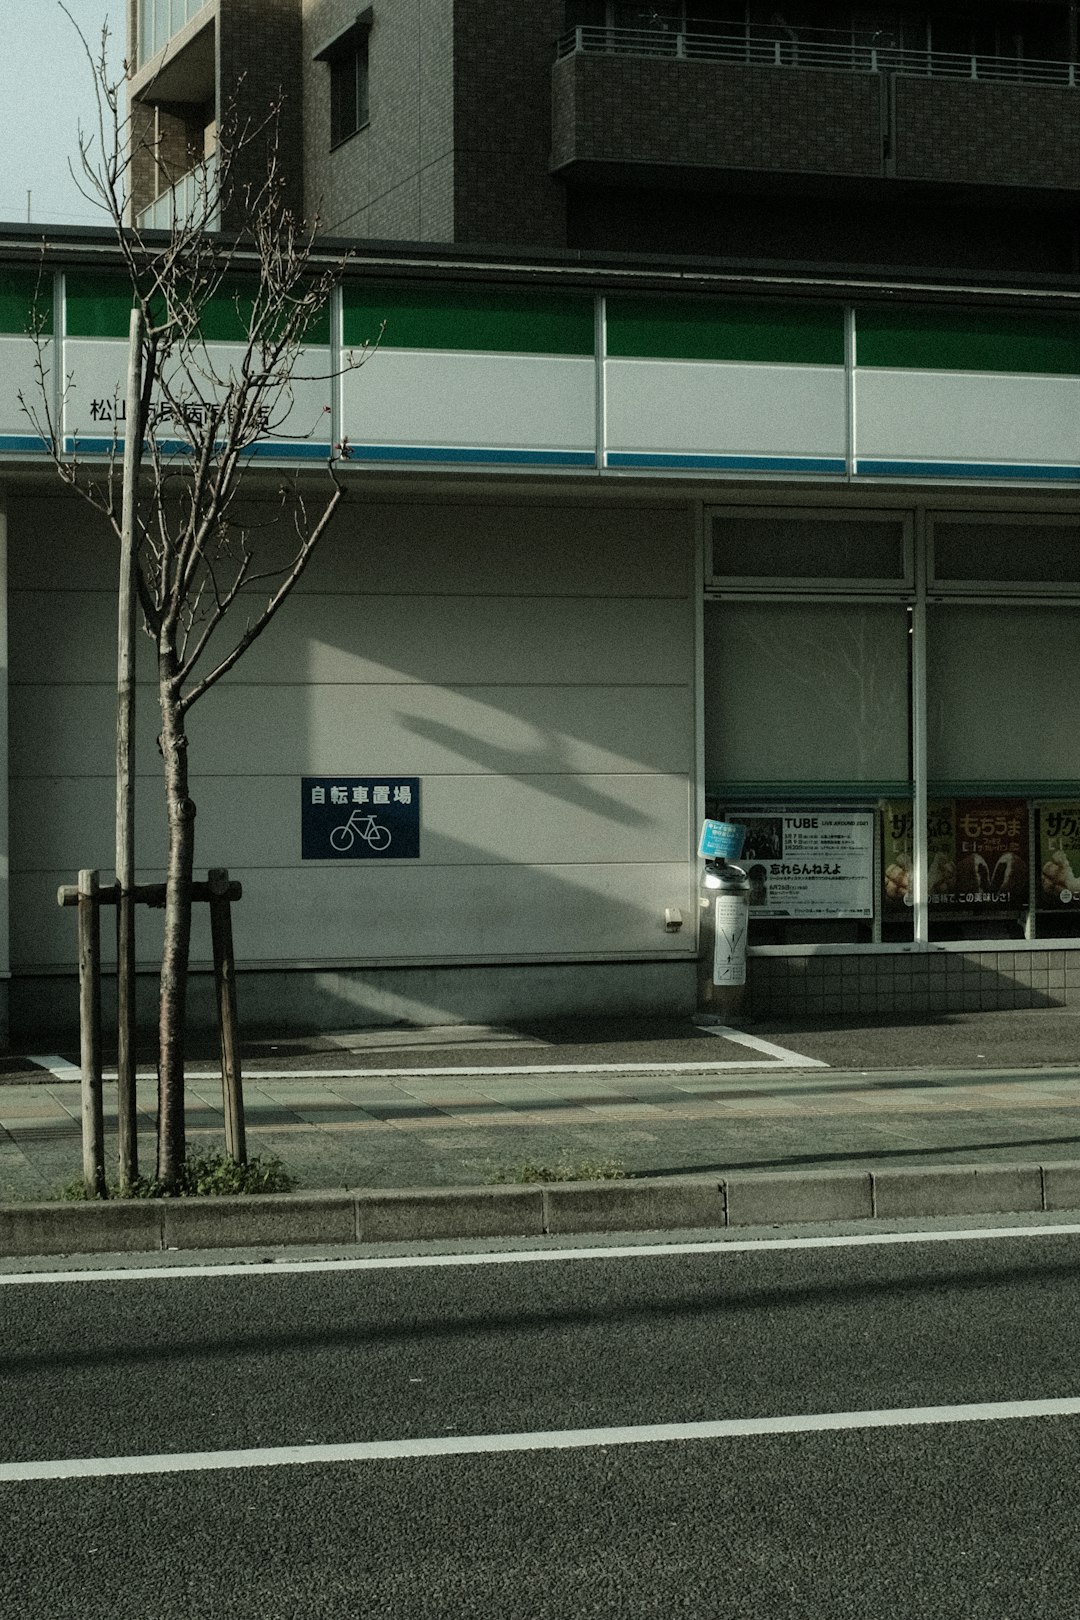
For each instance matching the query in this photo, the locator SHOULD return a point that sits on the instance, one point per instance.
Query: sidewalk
(468, 1106)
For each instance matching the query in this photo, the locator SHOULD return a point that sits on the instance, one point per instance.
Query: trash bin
(724, 917)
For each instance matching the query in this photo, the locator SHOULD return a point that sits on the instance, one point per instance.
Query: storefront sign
(978, 855)
(1059, 855)
(359, 818)
(808, 863)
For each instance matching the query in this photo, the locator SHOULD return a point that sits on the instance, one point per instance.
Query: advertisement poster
(1059, 856)
(978, 850)
(808, 863)
(897, 861)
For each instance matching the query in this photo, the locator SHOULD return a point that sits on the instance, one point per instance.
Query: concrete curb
(653, 1204)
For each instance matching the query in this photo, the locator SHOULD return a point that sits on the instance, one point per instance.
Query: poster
(897, 859)
(978, 855)
(1059, 856)
(808, 863)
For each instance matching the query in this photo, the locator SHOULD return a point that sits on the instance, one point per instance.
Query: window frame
(347, 55)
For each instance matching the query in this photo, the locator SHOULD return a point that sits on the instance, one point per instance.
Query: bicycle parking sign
(359, 818)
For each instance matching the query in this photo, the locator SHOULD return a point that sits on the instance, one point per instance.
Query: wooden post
(232, 1088)
(93, 1128)
(126, 1116)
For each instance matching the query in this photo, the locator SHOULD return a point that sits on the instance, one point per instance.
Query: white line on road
(628, 1251)
(508, 1071)
(56, 1065)
(789, 1060)
(191, 1462)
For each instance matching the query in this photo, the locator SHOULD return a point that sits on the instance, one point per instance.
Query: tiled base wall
(946, 981)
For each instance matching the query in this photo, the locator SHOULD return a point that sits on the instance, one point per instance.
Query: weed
(564, 1169)
(208, 1175)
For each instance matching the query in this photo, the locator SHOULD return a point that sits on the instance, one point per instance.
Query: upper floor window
(346, 55)
(159, 20)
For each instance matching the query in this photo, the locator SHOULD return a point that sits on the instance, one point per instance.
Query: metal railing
(820, 49)
(185, 202)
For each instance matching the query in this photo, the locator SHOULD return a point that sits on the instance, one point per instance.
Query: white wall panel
(409, 730)
(64, 636)
(96, 370)
(966, 416)
(19, 374)
(243, 822)
(418, 397)
(702, 407)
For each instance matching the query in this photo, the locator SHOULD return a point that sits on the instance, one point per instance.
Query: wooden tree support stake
(93, 1125)
(89, 895)
(232, 1087)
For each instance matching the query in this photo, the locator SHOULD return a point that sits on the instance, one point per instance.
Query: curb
(646, 1204)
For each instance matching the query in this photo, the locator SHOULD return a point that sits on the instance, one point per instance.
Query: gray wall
(532, 663)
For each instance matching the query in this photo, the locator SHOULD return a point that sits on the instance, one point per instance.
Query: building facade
(616, 553)
(740, 477)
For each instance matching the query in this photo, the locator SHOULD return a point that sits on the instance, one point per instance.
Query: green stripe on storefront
(700, 329)
(968, 340)
(26, 301)
(99, 306)
(481, 319)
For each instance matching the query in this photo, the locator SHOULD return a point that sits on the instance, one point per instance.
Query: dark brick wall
(712, 115)
(503, 190)
(258, 45)
(987, 134)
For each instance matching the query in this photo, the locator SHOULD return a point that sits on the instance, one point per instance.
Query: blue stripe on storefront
(445, 454)
(271, 451)
(23, 442)
(653, 460)
(1000, 470)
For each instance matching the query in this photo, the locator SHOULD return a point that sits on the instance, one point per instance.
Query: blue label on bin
(722, 840)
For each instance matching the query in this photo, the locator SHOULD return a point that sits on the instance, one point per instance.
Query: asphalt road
(956, 1518)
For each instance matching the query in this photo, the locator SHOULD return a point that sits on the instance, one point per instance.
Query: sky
(47, 92)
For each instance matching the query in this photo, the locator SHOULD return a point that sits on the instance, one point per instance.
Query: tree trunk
(177, 933)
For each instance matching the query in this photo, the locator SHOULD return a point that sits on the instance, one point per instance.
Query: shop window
(834, 704)
(982, 553)
(774, 548)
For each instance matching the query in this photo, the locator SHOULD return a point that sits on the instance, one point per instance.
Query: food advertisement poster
(978, 852)
(1059, 856)
(808, 863)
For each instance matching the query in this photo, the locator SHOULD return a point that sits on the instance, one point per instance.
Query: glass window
(807, 692)
(770, 547)
(984, 551)
(349, 88)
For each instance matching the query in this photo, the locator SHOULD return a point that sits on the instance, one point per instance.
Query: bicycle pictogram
(358, 825)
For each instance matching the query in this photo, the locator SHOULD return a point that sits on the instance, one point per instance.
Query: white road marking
(57, 1066)
(191, 1462)
(628, 1251)
(789, 1060)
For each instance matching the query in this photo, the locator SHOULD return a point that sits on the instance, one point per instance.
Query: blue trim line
(651, 459)
(268, 450)
(23, 441)
(472, 457)
(967, 469)
(302, 451)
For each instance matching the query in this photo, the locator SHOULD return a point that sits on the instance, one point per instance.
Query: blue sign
(360, 818)
(723, 839)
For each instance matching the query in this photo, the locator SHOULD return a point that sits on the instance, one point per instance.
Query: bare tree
(199, 559)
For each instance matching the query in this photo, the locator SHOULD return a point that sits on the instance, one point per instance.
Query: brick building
(946, 133)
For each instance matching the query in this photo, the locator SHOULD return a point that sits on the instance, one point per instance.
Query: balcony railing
(815, 49)
(190, 200)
